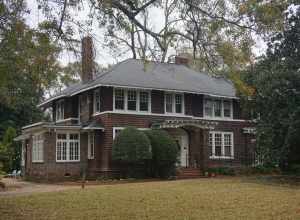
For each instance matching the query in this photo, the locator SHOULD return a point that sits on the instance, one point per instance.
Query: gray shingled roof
(154, 75)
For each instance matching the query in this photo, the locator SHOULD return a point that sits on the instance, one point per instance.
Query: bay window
(131, 100)
(59, 110)
(37, 148)
(221, 144)
(174, 103)
(217, 108)
(67, 147)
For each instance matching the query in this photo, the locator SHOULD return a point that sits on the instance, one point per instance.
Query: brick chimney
(181, 60)
(87, 59)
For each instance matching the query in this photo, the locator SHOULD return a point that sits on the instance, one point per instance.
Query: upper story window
(174, 103)
(217, 108)
(131, 100)
(37, 148)
(221, 144)
(59, 110)
(97, 101)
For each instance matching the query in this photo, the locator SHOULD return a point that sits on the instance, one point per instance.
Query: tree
(164, 153)
(133, 148)
(276, 80)
(9, 151)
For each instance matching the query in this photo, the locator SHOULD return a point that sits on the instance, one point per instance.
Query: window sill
(91, 158)
(67, 161)
(218, 118)
(221, 157)
(37, 161)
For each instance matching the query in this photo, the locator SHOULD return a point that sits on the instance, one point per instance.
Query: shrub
(132, 147)
(164, 153)
(227, 171)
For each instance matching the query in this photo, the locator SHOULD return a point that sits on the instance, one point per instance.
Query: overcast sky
(103, 55)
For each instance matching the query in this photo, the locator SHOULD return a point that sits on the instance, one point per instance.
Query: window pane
(208, 107)
(64, 150)
(227, 144)
(178, 103)
(218, 144)
(131, 100)
(217, 108)
(227, 108)
(76, 156)
(169, 103)
(58, 151)
(144, 101)
(71, 151)
(210, 141)
(119, 99)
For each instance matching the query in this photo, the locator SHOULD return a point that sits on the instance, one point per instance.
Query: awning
(22, 137)
(184, 123)
(94, 125)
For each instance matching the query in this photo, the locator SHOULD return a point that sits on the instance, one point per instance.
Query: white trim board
(170, 115)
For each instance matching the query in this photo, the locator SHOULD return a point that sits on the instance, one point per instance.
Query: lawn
(219, 198)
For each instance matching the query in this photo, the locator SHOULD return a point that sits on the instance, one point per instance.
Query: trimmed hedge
(132, 149)
(164, 153)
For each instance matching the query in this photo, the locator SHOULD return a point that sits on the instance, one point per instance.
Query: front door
(183, 145)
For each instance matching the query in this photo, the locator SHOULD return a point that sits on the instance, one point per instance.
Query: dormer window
(97, 101)
(217, 108)
(174, 103)
(59, 110)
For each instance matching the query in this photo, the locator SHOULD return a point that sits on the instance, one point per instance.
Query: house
(201, 112)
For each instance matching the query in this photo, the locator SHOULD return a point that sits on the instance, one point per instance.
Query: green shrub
(164, 153)
(227, 171)
(132, 149)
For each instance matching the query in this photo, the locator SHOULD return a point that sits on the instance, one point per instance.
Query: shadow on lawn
(277, 180)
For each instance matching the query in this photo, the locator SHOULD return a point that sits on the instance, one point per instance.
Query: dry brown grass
(227, 198)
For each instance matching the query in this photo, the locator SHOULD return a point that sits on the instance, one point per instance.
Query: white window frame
(213, 108)
(68, 141)
(95, 100)
(174, 103)
(59, 110)
(137, 100)
(213, 156)
(122, 128)
(37, 150)
(91, 145)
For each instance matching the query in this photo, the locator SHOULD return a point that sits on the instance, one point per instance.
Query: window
(218, 108)
(59, 111)
(178, 103)
(117, 131)
(91, 145)
(119, 99)
(131, 100)
(37, 148)
(208, 107)
(67, 147)
(221, 144)
(169, 103)
(174, 103)
(227, 108)
(97, 100)
(144, 101)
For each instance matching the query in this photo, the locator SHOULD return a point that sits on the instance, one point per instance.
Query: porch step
(189, 173)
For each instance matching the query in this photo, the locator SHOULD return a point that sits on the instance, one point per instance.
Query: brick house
(202, 113)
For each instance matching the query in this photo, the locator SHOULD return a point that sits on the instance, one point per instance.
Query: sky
(103, 54)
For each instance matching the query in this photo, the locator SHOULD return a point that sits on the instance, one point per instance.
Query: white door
(183, 142)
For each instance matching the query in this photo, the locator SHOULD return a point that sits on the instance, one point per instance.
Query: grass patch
(228, 198)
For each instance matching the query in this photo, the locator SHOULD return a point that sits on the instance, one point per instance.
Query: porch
(192, 138)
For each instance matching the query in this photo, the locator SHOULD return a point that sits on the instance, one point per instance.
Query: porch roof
(178, 123)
